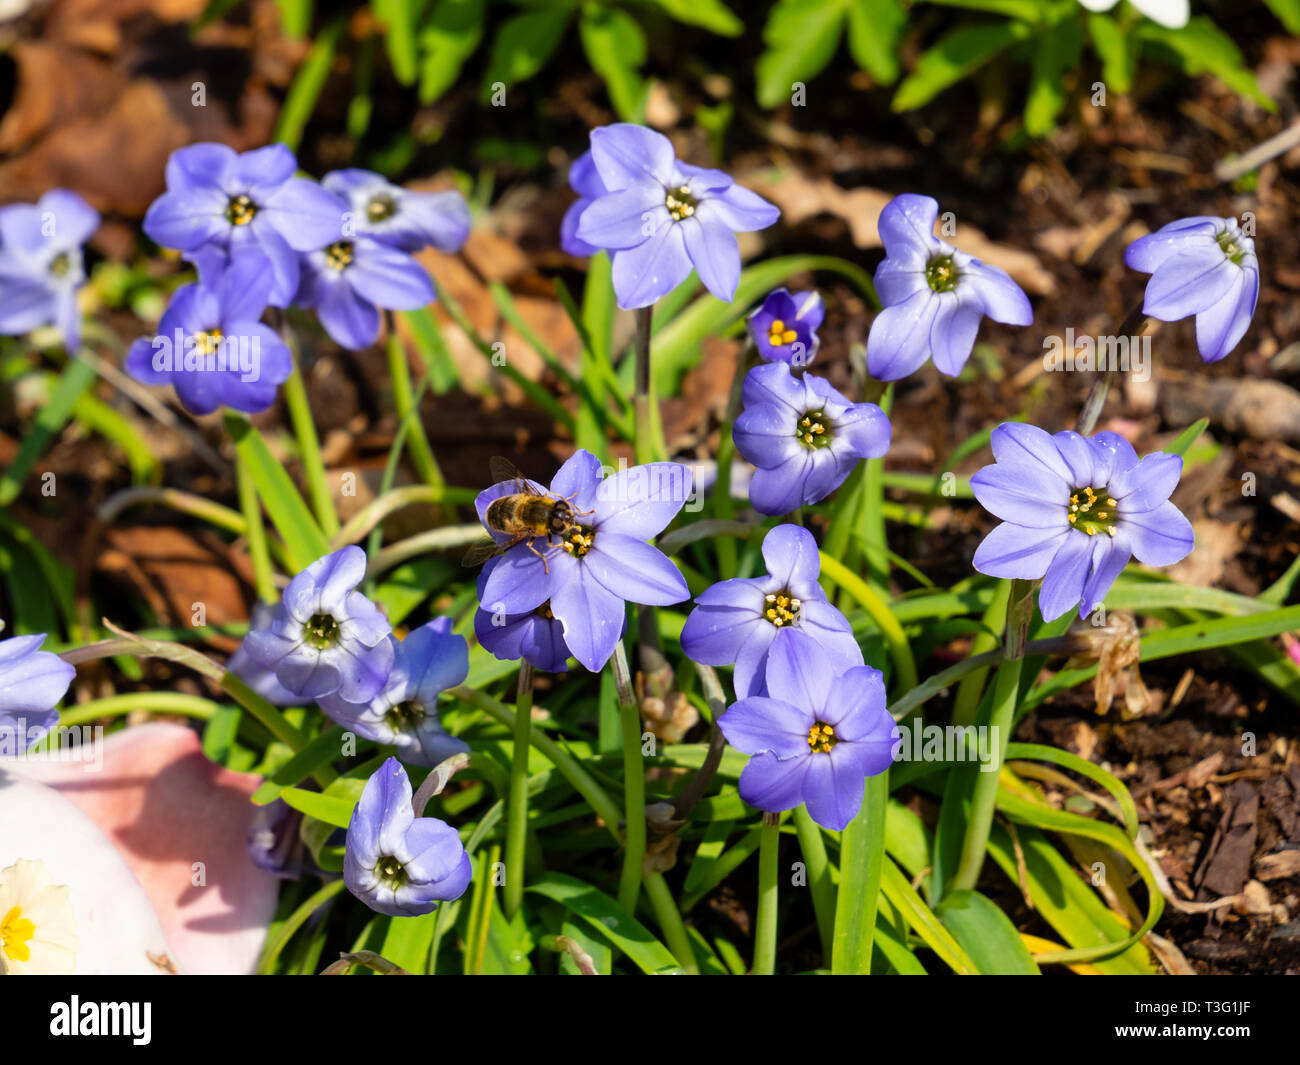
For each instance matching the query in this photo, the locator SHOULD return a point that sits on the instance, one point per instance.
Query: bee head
(561, 517)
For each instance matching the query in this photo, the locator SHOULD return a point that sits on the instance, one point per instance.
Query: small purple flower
(661, 217)
(41, 264)
(1074, 509)
(933, 295)
(784, 328)
(397, 863)
(220, 204)
(736, 621)
(211, 345)
(537, 637)
(350, 280)
(274, 845)
(1204, 267)
(815, 737)
(803, 435)
(325, 636)
(584, 179)
(393, 215)
(603, 562)
(32, 682)
(405, 714)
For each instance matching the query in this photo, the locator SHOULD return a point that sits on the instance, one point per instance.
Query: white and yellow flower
(38, 932)
(1171, 13)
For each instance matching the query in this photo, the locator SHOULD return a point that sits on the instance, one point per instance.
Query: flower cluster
(262, 237)
(41, 264)
(657, 216)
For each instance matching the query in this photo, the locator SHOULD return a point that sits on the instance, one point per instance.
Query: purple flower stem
(304, 429)
(629, 882)
(1134, 325)
(517, 799)
(765, 923)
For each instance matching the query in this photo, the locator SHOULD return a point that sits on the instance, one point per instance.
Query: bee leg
(533, 548)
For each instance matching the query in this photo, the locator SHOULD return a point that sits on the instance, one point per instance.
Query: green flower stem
(304, 428)
(971, 689)
(647, 430)
(1002, 718)
(517, 802)
(765, 924)
(629, 882)
(566, 765)
(862, 860)
(408, 414)
(724, 508)
(895, 639)
(670, 921)
(194, 706)
(817, 868)
(258, 551)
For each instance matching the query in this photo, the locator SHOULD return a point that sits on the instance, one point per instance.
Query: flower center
(207, 343)
(339, 254)
(1093, 511)
(821, 738)
(61, 264)
(778, 335)
(941, 274)
(781, 608)
(15, 933)
(322, 631)
(579, 541)
(544, 611)
(406, 715)
(381, 208)
(391, 870)
(814, 429)
(1227, 240)
(240, 211)
(680, 203)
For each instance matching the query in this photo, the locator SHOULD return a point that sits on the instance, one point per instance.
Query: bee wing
(502, 469)
(481, 551)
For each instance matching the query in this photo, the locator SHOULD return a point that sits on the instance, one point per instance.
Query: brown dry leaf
(1278, 866)
(174, 573)
(801, 198)
(1217, 544)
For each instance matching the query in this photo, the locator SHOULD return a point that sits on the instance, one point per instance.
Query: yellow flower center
(781, 609)
(1092, 510)
(680, 203)
(579, 541)
(814, 429)
(339, 254)
(380, 208)
(207, 343)
(778, 335)
(15, 933)
(821, 738)
(240, 211)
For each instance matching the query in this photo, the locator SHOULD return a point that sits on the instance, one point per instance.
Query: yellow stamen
(15, 933)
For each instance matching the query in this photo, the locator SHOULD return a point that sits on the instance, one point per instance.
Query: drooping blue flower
(350, 281)
(584, 179)
(41, 264)
(815, 736)
(393, 215)
(1074, 510)
(537, 637)
(1204, 267)
(933, 295)
(662, 217)
(220, 204)
(397, 863)
(603, 563)
(211, 345)
(405, 713)
(784, 328)
(325, 636)
(32, 682)
(736, 621)
(803, 436)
